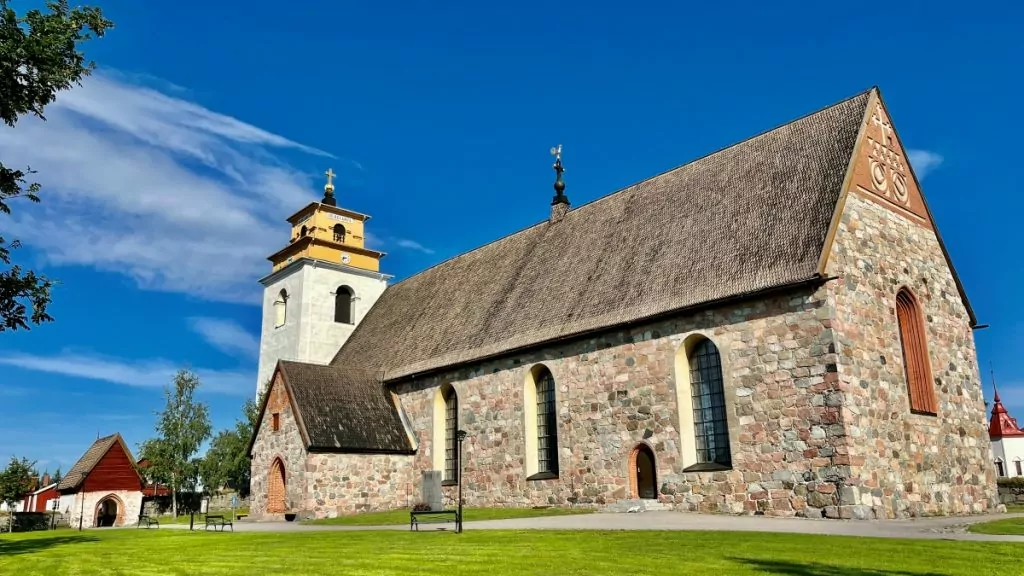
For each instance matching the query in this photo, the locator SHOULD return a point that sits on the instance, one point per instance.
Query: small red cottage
(41, 499)
(103, 488)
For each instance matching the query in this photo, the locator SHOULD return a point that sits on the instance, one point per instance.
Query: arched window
(1000, 470)
(1016, 464)
(281, 309)
(446, 424)
(304, 230)
(451, 424)
(344, 300)
(339, 233)
(547, 423)
(915, 354)
(710, 424)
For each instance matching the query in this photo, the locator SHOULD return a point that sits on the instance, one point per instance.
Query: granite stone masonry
(320, 485)
(619, 390)
(904, 464)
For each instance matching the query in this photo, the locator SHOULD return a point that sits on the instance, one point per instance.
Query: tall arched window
(547, 423)
(710, 424)
(304, 231)
(1000, 469)
(915, 354)
(344, 302)
(339, 233)
(281, 309)
(451, 424)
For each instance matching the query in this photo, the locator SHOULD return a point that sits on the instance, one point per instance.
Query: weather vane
(559, 183)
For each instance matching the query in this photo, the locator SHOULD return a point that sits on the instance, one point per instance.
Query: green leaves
(16, 481)
(40, 58)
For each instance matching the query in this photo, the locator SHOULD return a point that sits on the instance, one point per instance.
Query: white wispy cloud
(412, 245)
(924, 161)
(156, 187)
(226, 336)
(137, 373)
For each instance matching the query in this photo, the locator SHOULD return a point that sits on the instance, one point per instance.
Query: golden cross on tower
(330, 184)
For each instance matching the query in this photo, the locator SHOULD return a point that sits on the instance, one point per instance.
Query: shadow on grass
(29, 546)
(818, 569)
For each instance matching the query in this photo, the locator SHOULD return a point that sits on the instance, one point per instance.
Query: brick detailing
(284, 444)
(276, 488)
(101, 510)
(899, 463)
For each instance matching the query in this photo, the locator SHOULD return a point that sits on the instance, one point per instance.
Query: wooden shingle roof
(343, 410)
(77, 474)
(746, 219)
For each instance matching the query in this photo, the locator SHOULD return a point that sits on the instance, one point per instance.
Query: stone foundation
(128, 509)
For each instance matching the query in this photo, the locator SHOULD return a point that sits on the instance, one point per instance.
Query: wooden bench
(218, 522)
(147, 521)
(417, 517)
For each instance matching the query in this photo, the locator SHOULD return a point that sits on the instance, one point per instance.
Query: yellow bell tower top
(323, 231)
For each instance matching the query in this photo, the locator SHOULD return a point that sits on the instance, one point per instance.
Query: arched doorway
(642, 474)
(108, 512)
(276, 488)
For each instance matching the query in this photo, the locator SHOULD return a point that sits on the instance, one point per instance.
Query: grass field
(1006, 526)
(495, 553)
(469, 515)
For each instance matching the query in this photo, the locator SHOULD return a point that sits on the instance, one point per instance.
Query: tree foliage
(16, 480)
(39, 57)
(227, 461)
(181, 427)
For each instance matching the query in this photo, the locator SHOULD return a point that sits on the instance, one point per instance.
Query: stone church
(775, 328)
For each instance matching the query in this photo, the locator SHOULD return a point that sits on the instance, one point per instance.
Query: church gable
(882, 171)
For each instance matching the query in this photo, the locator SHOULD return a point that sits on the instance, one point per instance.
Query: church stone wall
(343, 484)
(617, 390)
(285, 443)
(904, 464)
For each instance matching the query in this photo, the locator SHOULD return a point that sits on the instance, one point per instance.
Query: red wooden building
(104, 487)
(41, 499)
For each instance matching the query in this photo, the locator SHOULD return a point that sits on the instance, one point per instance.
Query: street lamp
(53, 516)
(460, 436)
(81, 491)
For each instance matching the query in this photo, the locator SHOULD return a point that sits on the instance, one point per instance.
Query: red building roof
(107, 465)
(1001, 424)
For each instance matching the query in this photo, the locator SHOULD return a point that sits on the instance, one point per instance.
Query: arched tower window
(304, 230)
(281, 309)
(339, 233)
(344, 302)
(915, 354)
(710, 424)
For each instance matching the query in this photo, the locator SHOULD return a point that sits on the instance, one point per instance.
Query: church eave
(312, 207)
(304, 261)
(402, 375)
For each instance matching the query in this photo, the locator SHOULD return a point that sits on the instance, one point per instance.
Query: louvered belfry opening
(915, 354)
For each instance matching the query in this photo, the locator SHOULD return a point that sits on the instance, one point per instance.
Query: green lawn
(1005, 526)
(183, 518)
(1015, 507)
(495, 553)
(401, 516)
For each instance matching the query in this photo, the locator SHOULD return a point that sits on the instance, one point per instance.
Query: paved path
(949, 528)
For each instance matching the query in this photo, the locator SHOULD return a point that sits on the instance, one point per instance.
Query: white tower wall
(310, 333)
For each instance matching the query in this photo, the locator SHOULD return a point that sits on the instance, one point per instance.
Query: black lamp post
(53, 515)
(460, 436)
(81, 491)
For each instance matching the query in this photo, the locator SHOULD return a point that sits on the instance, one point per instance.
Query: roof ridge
(634, 184)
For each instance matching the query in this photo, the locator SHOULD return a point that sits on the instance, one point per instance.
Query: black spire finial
(560, 197)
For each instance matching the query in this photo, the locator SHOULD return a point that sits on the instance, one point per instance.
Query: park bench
(417, 517)
(147, 521)
(218, 522)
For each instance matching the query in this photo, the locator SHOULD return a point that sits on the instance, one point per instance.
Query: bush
(421, 507)
(1015, 485)
(29, 521)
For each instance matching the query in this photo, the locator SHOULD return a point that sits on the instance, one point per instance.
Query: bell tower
(320, 285)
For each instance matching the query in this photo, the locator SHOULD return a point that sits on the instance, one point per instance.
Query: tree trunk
(174, 497)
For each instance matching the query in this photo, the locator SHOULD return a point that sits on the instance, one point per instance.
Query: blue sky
(168, 176)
